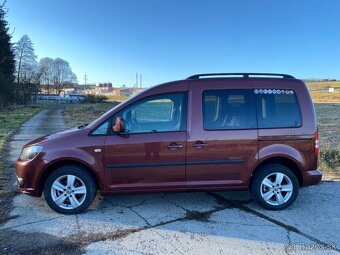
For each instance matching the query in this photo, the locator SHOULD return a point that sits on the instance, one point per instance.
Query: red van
(240, 131)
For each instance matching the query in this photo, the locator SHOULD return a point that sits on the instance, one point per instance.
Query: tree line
(21, 75)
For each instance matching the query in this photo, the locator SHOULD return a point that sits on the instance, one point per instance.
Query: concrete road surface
(172, 223)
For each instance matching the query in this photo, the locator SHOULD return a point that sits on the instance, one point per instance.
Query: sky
(167, 40)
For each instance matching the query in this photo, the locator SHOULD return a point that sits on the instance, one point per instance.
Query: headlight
(30, 153)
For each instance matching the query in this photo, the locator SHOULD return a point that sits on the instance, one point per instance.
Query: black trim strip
(232, 161)
(281, 140)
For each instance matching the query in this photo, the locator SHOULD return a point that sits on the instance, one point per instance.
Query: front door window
(161, 113)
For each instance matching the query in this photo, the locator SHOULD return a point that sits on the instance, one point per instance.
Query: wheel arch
(57, 164)
(285, 161)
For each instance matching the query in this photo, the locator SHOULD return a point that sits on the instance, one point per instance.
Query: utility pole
(85, 78)
(136, 85)
(140, 80)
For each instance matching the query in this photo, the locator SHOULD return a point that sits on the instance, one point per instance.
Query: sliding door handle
(200, 144)
(174, 146)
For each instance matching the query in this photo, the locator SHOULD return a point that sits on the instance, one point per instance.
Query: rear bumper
(312, 177)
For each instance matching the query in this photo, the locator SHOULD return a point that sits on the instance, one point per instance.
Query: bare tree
(27, 72)
(62, 74)
(46, 69)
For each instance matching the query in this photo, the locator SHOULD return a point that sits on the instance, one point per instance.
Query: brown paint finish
(152, 150)
(191, 159)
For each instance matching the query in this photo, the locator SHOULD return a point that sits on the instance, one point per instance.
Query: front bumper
(28, 176)
(20, 183)
(312, 177)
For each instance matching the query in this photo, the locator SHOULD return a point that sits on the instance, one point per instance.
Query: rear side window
(277, 108)
(229, 109)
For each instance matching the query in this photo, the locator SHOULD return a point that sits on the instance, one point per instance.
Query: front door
(222, 142)
(150, 154)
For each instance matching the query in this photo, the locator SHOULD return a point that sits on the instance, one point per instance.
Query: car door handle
(174, 146)
(200, 144)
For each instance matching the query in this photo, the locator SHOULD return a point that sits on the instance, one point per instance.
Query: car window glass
(162, 113)
(228, 109)
(102, 129)
(278, 110)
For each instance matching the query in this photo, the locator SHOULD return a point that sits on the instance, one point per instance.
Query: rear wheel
(69, 190)
(274, 187)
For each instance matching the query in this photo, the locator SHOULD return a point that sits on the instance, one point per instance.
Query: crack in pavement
(288, 236)
(83, 239)
(86, 239)
(289, 242)
(78, 225)
(164, 238)
(131, 208)
(265, 217)
(30, 223)
(193, 215)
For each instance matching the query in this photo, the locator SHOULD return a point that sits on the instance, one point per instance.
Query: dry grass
(329, 135)
(79, 114)
(116, 98)
(320, 94)
(329, 125)
(325, 97)
(323, 85)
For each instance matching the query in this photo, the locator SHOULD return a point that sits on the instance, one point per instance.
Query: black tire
(258, 190)
(82, 178)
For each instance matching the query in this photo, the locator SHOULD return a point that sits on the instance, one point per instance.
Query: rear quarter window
(278, 109)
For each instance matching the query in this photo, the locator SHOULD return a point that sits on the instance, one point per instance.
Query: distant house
(125, 92)
(331, 90)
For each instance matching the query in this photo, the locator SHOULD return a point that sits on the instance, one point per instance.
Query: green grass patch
(10, 120)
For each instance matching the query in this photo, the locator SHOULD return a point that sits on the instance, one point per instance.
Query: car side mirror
(119, 126)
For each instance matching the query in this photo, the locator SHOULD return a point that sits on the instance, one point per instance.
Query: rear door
(222, 138)
(282, 128)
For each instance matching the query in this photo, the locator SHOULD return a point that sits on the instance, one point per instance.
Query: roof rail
(244, 75)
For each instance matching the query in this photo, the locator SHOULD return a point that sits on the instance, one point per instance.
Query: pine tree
(7, 62)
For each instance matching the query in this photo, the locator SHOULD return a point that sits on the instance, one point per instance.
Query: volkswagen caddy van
(209, 132)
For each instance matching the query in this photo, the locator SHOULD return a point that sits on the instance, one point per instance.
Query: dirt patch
(14, 242)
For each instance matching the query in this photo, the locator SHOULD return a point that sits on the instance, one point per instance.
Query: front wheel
(69, 190)
(274, 187)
